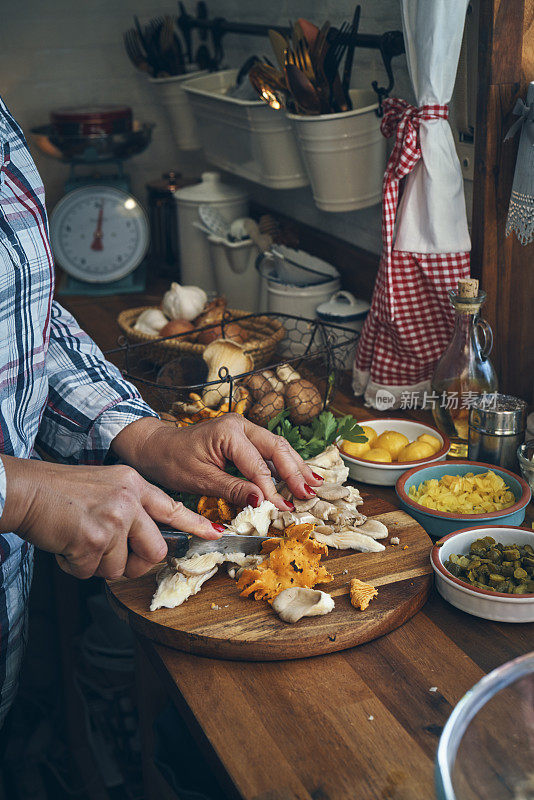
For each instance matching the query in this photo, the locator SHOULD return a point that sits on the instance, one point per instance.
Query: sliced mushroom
(254, 520)
(332, 491)
(296, 602)
(374, 528)
(174, 588)
(198, 564)
(304, 505)
(349, 539)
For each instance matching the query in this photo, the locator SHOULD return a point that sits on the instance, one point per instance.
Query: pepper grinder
(497, 425)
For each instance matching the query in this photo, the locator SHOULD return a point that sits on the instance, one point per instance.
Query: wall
(69, 52)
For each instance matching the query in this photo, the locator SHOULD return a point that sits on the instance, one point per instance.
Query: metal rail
(390, 44)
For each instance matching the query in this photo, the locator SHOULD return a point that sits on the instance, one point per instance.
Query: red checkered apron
(411, 318)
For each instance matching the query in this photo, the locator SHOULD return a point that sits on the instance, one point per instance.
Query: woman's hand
(97, 520)
(193, 459)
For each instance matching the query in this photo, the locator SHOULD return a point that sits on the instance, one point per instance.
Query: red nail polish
(317, 477)
(218, 528)
(289, 505)
(253, 500)
(309, 489)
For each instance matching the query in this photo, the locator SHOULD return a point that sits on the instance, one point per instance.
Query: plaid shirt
(56, 388)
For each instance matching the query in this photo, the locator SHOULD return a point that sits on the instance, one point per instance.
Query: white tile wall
(65, 52)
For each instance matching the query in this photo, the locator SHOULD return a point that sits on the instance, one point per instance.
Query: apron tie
(403, 120)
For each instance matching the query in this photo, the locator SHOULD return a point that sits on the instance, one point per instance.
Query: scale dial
(99, 233)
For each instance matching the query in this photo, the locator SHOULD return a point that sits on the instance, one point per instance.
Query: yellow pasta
(464, 494)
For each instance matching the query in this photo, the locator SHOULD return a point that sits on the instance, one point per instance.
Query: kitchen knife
(182, 544)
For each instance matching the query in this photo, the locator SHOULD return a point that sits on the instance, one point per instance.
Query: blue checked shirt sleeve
(89, 402)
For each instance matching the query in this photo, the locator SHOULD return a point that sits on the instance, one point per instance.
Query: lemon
(370, 433)
(378, 454)
(433, 441)
(392, 441)
(355, 449)
(416, 451)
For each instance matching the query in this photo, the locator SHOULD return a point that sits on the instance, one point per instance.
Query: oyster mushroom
(254, 520)
(198, 564)
(349, 539)
(374, 528)
(329, 465)
(223, 353)
(174, 588)
(296, 602)
(332, 491)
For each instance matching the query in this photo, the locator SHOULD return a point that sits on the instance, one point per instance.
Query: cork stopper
(468, 287)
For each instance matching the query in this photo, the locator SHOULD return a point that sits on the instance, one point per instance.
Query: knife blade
(182, 544)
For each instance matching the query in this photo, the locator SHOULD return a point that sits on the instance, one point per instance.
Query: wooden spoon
(303, 90)
(279, 44)
(309, 30)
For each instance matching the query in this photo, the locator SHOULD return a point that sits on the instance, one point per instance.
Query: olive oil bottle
(464, 371)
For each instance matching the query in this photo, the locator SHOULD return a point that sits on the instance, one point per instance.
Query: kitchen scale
(99, 231)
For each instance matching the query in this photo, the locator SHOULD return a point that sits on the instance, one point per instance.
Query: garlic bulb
(151, 320)
(184, 302)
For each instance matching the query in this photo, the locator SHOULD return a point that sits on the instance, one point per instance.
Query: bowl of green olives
(487, 572)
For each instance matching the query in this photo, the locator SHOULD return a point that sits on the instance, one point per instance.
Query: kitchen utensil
(214, 221)
(229, 201)
(347, 69)
(487, 604)
(309, 30)
(525, 456)
(269, 84)
(464, 370)
(337, 98)
(441, 523)
(203, 58)
(185, 544)
(262, 240)
(318, 55)
(218, 622)
(236, 276)
(303, 90)
(475, 760)
(496, 429)
(185, 28)
(135, 51)
(279, 44)
(382, 474)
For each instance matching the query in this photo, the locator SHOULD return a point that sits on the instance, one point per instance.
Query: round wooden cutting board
(217, 622)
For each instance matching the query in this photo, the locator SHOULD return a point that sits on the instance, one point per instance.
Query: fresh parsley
(310, 440)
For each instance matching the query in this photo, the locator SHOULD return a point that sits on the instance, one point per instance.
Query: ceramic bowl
(486, 604)
(441, 523)
(388, 474)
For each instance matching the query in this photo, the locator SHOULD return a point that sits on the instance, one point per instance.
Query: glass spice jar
(464, 371)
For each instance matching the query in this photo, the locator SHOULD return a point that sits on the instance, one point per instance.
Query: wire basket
(180, 387)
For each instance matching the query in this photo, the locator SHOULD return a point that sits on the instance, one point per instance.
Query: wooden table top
(362, 724)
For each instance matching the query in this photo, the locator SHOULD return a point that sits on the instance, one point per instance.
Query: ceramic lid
(211, 189)
(343, 306)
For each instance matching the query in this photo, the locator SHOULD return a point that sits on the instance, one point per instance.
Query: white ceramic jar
(346, 310)
(230, 201)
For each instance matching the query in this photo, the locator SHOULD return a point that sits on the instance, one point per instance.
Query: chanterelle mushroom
(296, 602)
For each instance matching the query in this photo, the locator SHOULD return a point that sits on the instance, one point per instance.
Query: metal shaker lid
(499, 414)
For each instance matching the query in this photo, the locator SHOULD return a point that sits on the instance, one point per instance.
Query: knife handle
(177, 543)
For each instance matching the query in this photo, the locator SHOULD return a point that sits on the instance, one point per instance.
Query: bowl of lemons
(392, 447)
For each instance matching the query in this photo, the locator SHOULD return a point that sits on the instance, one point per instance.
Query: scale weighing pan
(93, 148)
